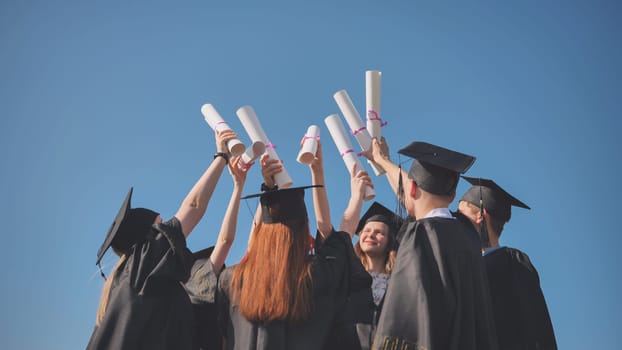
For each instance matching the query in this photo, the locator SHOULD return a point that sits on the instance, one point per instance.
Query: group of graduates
(435, 279)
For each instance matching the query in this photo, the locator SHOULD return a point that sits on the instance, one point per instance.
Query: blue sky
(98, 96)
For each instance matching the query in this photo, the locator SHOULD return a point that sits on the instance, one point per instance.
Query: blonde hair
(105, 297)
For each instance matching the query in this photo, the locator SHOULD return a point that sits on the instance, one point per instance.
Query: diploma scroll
(251, 124)
(309, 145)
(215, 121)
(358, 129)
(340, 136)
(372, 105)
(253, 152)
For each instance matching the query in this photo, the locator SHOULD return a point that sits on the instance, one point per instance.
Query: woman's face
(374, 238)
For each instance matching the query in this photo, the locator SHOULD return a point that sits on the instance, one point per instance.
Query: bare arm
(380, 155)
(194, 205)
(320, 199)
(229, 223)
(351, 216)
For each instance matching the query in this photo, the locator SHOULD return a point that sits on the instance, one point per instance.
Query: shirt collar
(439, 213)
(491, 250)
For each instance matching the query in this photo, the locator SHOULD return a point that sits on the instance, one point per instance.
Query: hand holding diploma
(350, 158)
(215, 121)
(357, 128)
(251, 124)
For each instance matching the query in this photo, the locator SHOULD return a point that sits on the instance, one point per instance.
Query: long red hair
(273, 282)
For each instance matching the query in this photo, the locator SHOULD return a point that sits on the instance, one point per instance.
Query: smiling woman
(372, 264)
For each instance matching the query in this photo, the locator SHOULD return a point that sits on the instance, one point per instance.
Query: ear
(481, 217)
(413, 188)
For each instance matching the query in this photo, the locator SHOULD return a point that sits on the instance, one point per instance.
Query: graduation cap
(493, 198)
(282, 205)
(380, 213)
(128, 227)
(436, 169)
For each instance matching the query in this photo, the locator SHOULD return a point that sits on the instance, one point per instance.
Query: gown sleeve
(160, 258)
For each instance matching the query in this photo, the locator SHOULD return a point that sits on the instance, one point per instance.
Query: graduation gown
(353, 326)
(330, 288)
(521, 316)
(201, 288)
(438, 296)
(148, 307)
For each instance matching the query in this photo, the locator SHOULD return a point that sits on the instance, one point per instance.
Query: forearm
(320, 204)
(227, 230)
(194, 205)
(392, 176)
(351, 216)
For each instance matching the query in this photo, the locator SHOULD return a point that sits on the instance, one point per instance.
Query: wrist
(223, 155)
(266, 188)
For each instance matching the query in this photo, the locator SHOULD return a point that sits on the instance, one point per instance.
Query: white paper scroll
(372, 105)
(251, 124)
(350, 157)
(309, 145)
(357, 128)
(253, 152)
(372, 102)
(215, 121)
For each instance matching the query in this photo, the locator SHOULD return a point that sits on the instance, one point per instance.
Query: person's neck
(425, 205)
(494, 243)
(375, 264)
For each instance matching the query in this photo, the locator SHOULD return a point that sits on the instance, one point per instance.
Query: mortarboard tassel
(101, 271)
(483, 230)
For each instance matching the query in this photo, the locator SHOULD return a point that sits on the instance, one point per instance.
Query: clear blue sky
(98, 96)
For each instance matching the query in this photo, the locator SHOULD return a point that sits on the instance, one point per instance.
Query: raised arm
(379, 154)
(229, 223)
(320, 199)
(194, 205)
(351, 216)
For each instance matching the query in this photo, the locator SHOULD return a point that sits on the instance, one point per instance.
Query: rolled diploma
(309, 145)
(359, 130)
(340, 136)
(252, 153)
(372, 102)
(253, 128)
(215, 121)
(372, 105)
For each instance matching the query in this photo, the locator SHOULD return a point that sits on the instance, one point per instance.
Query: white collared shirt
(439, 213)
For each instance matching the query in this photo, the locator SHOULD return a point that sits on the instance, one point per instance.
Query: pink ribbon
(304, 138)
(354, 132)
(270, 145)
(346, 152)
(375, 116)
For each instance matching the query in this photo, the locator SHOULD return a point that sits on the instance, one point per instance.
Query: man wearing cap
(521, 316)
(438, 297)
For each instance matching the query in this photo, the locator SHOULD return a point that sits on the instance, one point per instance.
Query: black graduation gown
(521, 316)
(201, 288)
(148, 307)
(353, 326)
(438, 296)
(330, 289)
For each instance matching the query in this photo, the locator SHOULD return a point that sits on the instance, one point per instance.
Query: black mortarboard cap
(378, 212)
(282, 205)
(128, 226)
(436, 169)
(495, 199)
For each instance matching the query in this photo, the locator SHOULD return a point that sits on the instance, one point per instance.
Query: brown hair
(103, 301)
(273, 282)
